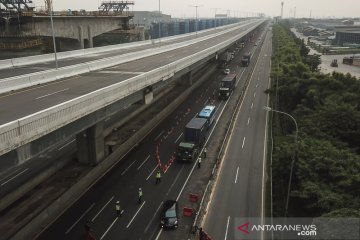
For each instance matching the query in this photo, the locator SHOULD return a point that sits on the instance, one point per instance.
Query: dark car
(169, 215)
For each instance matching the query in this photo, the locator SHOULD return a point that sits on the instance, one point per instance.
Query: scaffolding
(115, 6)
(17, 5)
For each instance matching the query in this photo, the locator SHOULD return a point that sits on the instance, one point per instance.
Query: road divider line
(65, 145)
(135, 214)
(147, 158)
(248, 121)
(254, 94)
(10, 174)
(252, 105)
(152, 219)
(159, 135)
(227, 228)
(152, 172)
(47, 95)
(93, 219)
(157, 236)
(78, 220)
(14, 177)
(242, 146)
(236, 176)
(178, 137)
(128, 168)
(108, 229)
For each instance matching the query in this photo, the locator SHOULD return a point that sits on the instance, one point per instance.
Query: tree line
(326, 177)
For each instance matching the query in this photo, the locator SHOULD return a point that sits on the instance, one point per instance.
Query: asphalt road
(29, 101)
(137, 169)
(240, 187)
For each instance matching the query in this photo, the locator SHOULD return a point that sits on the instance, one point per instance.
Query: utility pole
(196, 16)
(52, 29)
(215, 14)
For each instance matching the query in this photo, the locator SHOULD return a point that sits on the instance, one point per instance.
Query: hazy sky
(182, 8)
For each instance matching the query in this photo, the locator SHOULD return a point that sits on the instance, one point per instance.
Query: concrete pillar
(90, 144)
(148, 95)
(23, 153)
(186, 79)
(90, 37)
(81, 37)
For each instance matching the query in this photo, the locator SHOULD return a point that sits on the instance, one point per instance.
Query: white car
(226, 71)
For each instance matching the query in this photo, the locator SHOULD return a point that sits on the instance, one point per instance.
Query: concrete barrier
(7, 63)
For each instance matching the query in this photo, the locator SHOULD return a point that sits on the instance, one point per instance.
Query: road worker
(158, 177)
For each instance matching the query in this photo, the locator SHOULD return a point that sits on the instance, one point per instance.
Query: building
(347, 35)
(145, 18)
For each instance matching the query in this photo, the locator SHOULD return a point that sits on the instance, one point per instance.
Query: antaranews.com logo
(297, 228)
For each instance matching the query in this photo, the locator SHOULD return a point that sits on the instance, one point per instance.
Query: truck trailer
(245, 61)
(227, 85)
(194, 138)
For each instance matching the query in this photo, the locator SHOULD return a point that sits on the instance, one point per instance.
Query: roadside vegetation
(326, 177)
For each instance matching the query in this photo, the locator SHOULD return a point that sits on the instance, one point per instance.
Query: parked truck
(227, 85)
(194, 138)
(245, 61)
(224, 59)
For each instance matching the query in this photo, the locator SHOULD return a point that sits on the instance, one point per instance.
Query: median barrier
(22, 61)
(7, 63)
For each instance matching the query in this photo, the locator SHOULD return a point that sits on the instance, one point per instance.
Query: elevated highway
(36, 118)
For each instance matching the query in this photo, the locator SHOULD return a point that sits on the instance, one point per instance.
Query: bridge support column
(90, 144)
(90, 37)
(81, 37)
(148, 95)
(186, 79)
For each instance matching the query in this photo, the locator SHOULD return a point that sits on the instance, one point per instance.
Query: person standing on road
(140, 195)
(204, 152)
(158, 177)
(199, 162)
(118, 208)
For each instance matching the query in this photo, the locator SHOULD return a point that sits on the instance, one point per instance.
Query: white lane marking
(135, 214)
(108, 229)
(7, 176)
(252, 104)
(52, 93)
(128, 168)
(107, 119)
(152, 172)
(78, 220)
(178, 137)
(67, 144)
(227, 228)
(176, 178)
(147, 158)
(206, 101)
(248, 121)
(242, 146)
(93, 219)
(257, 85)
(157, 237)
(254, 95)
(152, 219)
(159, 135)
(237, 172)
(14, 176)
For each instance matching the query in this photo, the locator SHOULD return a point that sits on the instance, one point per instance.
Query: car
(169, 215)
(226, 71)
